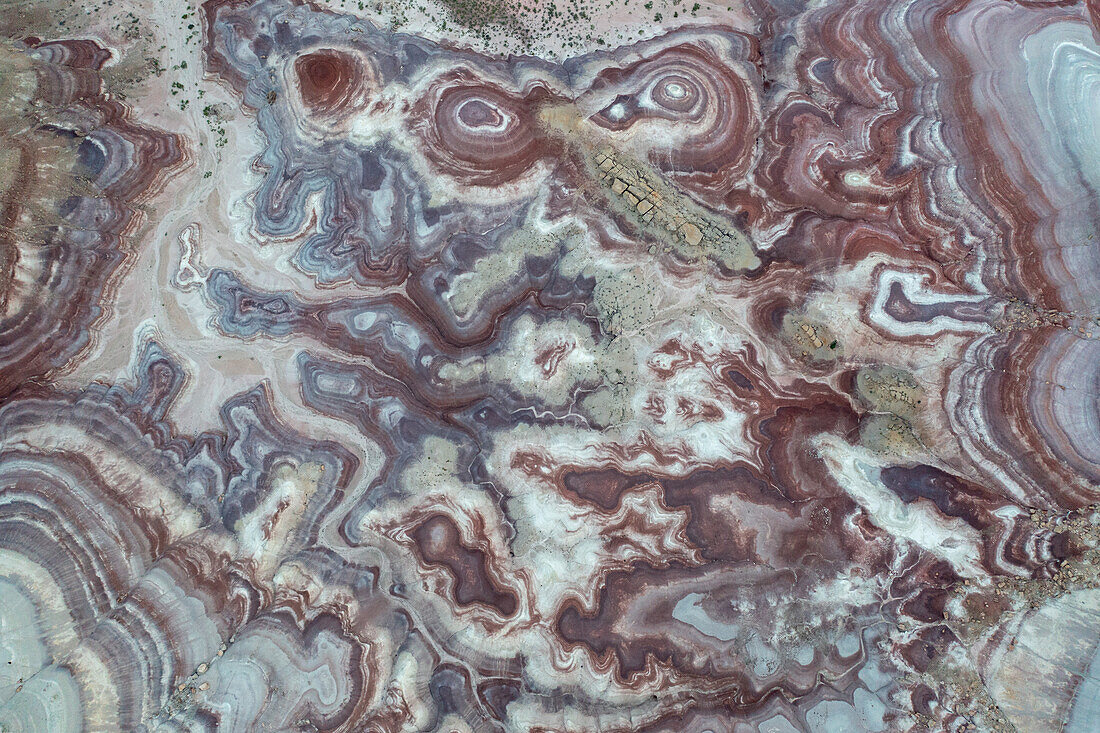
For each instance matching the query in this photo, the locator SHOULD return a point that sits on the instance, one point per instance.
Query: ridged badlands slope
(740, 379)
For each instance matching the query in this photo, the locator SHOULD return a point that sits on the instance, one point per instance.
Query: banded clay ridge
(552, 367)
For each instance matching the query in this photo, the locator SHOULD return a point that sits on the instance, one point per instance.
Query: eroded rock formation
(739, 377)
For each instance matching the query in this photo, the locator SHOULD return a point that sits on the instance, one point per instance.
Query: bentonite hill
(504, 365)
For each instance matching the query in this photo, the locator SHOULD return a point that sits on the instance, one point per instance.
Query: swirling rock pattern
(724, 369)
